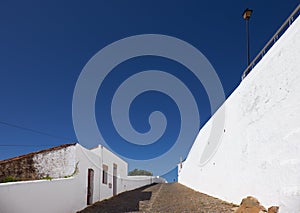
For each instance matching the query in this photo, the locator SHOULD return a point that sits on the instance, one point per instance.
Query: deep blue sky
(45, 45)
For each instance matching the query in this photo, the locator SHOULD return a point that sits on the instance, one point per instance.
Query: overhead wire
(33, 131)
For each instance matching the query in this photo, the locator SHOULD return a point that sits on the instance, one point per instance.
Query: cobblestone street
(168, 197)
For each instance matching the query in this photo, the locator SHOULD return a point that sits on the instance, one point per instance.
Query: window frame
(104, 174)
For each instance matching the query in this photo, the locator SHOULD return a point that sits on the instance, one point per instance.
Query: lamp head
(247, 13)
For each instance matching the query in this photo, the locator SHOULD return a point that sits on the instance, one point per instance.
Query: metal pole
(246, 15)
(248, 42)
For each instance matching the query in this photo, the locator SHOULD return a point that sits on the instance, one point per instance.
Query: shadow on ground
(164, 197)
(124, 202)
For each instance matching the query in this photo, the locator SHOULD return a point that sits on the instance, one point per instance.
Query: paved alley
(166, 197)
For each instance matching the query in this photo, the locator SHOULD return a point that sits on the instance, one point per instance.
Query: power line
(34, 131)
(25, 145)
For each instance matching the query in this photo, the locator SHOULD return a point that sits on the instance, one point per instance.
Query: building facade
(63, 179)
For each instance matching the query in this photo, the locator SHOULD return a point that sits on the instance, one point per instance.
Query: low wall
(259, 148)
(133, 182)
(59, 196)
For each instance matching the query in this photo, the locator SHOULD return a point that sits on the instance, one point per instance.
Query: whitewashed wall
(56, 163)
(124, 182)
(109, 159)
(40, 196)
(69, 195)
(259, 154)
(133, 182)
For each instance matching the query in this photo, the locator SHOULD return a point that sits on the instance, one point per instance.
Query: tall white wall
(259, 152)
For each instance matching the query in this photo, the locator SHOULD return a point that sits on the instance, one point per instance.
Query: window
(104, 173)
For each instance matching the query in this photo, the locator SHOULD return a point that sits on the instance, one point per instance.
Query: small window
(104, 173)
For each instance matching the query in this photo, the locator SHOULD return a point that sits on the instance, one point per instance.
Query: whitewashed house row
(70, 178)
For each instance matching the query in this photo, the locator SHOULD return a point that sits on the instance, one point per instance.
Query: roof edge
(37, 152)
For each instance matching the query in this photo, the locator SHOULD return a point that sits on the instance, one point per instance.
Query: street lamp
(246, 15)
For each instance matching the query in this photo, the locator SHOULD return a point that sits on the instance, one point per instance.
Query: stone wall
(22, 168)
(55, 162)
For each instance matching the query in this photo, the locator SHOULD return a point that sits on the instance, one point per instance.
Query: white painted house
(80, 178)
(259, 150)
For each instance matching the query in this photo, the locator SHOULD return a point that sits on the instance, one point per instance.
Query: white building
(80, 178)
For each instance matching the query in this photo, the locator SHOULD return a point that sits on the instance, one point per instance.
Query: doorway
(115, 179)
(90, 187)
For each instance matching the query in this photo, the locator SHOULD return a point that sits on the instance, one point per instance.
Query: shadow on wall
(124, 202)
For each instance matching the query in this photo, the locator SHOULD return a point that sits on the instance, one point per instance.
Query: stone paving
(166, 197)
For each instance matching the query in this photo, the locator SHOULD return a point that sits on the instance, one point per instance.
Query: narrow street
(167, 197)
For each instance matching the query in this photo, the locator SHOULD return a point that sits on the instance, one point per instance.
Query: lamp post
(246, 15)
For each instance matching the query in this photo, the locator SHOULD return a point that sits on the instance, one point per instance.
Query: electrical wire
(33, 131)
